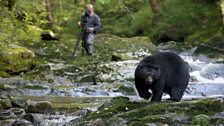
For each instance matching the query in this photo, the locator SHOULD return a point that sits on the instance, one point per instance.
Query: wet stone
(22, 123)
(118, 122)
(6, 122)
(31, 106)
(5, 114)
(34, 118)
(43, 106)
(17, 111)
(151, 124)
(97, 122)
(19, 102)
(9, 87)
(125, 89)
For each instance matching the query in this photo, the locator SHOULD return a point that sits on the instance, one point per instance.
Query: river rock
(48, 35)
(97, 122)
(5, 114)
(34, 118)
(3, 94)
(13, 81)
(39, 107)
(17, 111)
(19, 102)
(15, 59)
(6, 122)
(170, 45)
(124, 45)
(120, 57)
(119, 122)
(43, 106)
(31, 106)
(5, 103)
(125, 89)
(22, 123)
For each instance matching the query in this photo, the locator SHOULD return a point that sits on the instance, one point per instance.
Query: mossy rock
(34, 87)
(5, 103)
(19, 102)
(122, 45)
(1, 86)
(43, 106)
(126, 89)
(170, 113)
(15, 59)
(120, 57)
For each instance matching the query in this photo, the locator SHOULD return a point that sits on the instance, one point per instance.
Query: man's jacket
(93, 22)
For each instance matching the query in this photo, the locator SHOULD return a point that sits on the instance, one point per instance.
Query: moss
(15, 59)
(163, 112)
(5, 103)
(4, 74)
(217, 121)
(202, 120)
(128, 90)
(115, 106)
(1, 86)
(120, 57)
(69, 107)
(34, 87)
(207, 107)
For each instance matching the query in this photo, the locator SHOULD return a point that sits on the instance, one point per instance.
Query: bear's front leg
(157, 90)
(157, 95)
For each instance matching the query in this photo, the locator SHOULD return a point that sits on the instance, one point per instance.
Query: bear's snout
(149, 80)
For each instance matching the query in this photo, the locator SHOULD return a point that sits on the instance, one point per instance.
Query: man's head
(89, 9)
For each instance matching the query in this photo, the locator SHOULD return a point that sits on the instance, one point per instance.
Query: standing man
(90, 24)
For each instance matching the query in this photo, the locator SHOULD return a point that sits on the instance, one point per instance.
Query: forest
(42, 84)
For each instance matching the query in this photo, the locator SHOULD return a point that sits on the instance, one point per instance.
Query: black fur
(170, 75)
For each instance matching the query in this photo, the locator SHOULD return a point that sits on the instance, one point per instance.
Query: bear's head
(145, 78)
(151, 74)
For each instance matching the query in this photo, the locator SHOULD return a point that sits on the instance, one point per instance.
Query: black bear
(162, 72)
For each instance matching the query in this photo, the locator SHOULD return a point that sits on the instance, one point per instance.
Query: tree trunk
(47, 4)
(93, 1)
(154, 5)
(11, 3)
(222, 9)
(7, 3)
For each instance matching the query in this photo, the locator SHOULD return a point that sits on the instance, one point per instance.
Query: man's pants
(87, 44)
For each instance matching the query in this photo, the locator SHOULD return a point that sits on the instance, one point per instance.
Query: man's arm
(97, 25)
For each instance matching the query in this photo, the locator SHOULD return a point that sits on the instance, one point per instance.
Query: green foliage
(179, 19)
(124, 18)
(103, 1)
(22, 21)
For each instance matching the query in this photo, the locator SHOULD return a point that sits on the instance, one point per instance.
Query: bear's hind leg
(176, 94)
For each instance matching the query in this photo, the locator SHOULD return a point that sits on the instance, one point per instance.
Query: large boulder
(123, 48)
(15, 59)
(213, 47)
(39, 107)
(19, 102)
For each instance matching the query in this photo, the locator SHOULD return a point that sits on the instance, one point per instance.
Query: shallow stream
(207, 80)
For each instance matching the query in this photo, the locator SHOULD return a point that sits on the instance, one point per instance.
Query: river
(207, 80)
